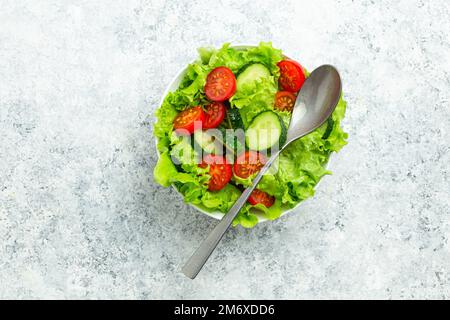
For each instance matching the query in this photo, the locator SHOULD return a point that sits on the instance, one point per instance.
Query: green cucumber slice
(250, 74)
(330, 124)
(215, 141)
(231, 141)
(235, 118)
(266, 130)
(207, 142)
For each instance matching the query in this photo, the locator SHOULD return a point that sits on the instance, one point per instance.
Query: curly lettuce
(254, 98)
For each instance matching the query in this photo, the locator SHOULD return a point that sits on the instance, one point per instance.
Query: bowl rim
(175, 81)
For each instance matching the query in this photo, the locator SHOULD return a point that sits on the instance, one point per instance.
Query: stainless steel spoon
(316, 101)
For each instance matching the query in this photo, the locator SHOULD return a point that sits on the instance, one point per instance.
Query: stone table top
(80, 215)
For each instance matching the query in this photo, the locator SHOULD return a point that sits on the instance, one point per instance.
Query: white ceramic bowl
(174, 84)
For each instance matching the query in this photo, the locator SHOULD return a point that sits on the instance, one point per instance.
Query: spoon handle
(201, 255)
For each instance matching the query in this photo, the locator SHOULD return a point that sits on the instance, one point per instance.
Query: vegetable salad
(252, 91)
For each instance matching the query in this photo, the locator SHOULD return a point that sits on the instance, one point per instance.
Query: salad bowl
(173, 86)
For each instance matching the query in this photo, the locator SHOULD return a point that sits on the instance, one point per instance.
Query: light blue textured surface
(81, 218)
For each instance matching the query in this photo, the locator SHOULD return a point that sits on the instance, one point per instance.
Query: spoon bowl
(319, 96)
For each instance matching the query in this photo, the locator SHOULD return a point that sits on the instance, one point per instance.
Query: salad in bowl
(219, 122)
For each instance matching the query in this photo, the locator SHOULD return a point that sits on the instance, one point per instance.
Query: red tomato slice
(214, 114)
(291, 75)
(249, 163)
(220, 84)
(219, 170)
(284, 101)
(185, 120)
(258, 196)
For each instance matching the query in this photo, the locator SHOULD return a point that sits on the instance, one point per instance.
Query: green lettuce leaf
(236, 60)
(246, 218)
(266, 54)
(270, 184)
(243, 182)
(272, 213)
(254, 98)
(191, 182)
(227, 57)
(221, 200)
(164, 169)
(164, 124)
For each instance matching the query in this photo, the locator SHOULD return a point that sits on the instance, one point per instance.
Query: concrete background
(80, 216)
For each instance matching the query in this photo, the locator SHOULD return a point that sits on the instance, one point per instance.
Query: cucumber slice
(232, 142)
(215, 142)
(330, 124)
(266, 130)
(208, 142)
(235, 118)
(250, 74)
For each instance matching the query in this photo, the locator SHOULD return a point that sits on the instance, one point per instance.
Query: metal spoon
(319, 96)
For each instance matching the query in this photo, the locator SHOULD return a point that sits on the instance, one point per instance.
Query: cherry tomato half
(186, 119)
(291, 75)
(258, 196)
(248, 164)
(220, 84)
(214, 114)
(284, 101)
(219, 170)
